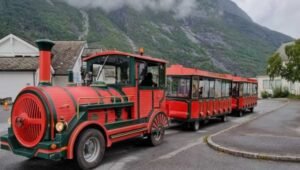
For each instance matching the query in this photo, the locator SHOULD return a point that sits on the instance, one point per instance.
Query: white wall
(294, 88)
(11, 83)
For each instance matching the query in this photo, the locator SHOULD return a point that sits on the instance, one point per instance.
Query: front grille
(29, 120)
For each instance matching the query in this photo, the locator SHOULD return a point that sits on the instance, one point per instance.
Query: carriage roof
(119, 53)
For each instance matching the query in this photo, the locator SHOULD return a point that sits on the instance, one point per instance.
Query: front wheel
(157, 131)
(89, 149)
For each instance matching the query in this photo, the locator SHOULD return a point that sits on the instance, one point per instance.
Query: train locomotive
(80, 122)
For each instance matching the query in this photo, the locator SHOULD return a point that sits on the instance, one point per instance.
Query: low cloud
(279, 15)
(181, 8)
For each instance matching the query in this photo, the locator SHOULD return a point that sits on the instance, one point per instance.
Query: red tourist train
(123, 97)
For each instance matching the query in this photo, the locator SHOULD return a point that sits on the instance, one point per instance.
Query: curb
(247, 154)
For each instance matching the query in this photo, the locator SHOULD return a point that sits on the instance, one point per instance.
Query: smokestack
(45, 47)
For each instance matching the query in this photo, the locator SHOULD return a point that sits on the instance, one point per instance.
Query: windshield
(111, 70)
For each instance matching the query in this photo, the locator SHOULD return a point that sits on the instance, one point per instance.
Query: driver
(148, 80)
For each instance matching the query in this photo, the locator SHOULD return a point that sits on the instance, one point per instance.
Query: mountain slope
(216, 36)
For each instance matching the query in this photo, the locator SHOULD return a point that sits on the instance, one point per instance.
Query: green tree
(289, 70)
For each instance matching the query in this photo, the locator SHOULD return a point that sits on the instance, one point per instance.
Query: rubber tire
(195, 125)
(251, 109)
(240, 113)
(151, 140)
(79, 147)
(224, 118)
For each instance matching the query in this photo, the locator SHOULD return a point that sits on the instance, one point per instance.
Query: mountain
(217, 35)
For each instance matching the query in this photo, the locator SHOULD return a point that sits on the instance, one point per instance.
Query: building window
(266, 84)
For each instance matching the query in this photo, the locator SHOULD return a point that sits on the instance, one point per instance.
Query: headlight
(9, 121)
(60, 126)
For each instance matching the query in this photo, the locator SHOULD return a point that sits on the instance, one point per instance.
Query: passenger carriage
(196, 95)
(124, 97)
(244, 95)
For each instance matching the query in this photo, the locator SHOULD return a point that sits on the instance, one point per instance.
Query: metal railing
(99, 100)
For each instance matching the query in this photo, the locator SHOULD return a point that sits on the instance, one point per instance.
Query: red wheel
(158, 125)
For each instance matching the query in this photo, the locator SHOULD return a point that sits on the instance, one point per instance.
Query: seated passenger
(148, 81)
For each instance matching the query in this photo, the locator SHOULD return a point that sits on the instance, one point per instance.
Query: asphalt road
(181, 150)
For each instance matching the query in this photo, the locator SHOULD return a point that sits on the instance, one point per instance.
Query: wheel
(158, 125)
(89, 149)
(240, 113)
(251, 110)
(195, 125)
(224, 118)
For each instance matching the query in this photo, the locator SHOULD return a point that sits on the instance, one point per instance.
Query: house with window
(265, 83)
(19, 64)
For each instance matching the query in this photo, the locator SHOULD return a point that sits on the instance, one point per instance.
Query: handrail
(100, 99)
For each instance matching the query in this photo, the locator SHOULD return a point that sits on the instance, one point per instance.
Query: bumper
(42, 150)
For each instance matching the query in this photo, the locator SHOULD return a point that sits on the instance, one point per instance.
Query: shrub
(280, 93)
(295, 97)
(265, 94)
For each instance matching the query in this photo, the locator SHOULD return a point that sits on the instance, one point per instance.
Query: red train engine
(124, 98)
(244, 95)
(196, 95)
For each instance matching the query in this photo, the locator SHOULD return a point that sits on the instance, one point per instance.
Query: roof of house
(65, 55)
(18, 63)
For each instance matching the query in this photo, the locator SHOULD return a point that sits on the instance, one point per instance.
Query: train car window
(241, 89)
(178, 87)
(228, 84)
(204, 88)
(254, 88)
(195, 88)
(211, 88)
(235, 90)
(224, 87)
(245, 89)
(218, 88)
(151, 75)
(250, 89)
(246, 93)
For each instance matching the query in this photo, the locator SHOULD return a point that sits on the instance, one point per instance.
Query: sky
(279, 15)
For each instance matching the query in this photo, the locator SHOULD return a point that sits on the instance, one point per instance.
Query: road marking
(119, 164)
(3, 127)
(201, 131)
(177, 151)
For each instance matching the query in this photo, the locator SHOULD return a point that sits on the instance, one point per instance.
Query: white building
(19, 64)
(266, 84)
